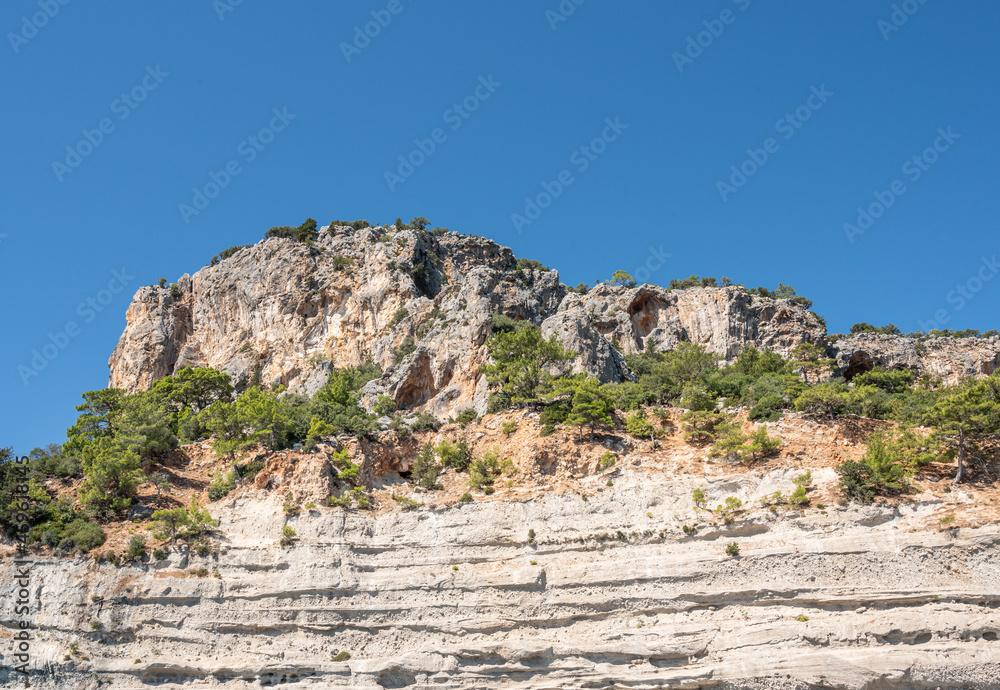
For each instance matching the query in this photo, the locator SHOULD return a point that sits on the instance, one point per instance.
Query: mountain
(419, 304)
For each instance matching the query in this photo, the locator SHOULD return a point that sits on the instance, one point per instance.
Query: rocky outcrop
(723, 319)
(418, 305)
(950, 358)
(610, 593)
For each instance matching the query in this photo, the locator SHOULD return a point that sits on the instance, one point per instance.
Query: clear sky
(114, 117)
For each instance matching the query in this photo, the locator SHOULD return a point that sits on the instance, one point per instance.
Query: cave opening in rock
(860, 363)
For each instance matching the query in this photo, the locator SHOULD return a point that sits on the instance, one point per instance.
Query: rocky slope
(950, 358)
(611, 592)
(294, 311)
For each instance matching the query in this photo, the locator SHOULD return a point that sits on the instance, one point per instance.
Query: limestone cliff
(419, 306)
(950, 358)
(570, 576)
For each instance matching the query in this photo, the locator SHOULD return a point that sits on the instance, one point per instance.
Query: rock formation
(419, 306)
(950, 358)
(569, 578)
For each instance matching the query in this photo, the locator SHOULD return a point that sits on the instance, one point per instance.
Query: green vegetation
(397, 316)
(356, 224)
(487, 469)
(638, 426)
(425, 468)
(590, 404)
(732, 549)
(221, 256)
(306, 232)
(607, 460)
(457, 455)
(622, 278)
(466, 416)
(532, 265)
(136, 548)
(287, 535)
(522, 362)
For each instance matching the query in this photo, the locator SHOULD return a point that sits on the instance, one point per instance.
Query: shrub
(798, 497)
(159, 554)
(638, 426)
(531, 536)
(467, 415)
(287, 535)
(498, 402)
(136, 547)
(404, 502)
(221, 256)
(425, 468)
(488, 490)
(341, 656)
(385, 406)
(82, 535)
(454, 455)
(405, 349)
(220, 487)
(698, 498)
(607, 460)
(802, 619)
(465, 498)
(508, 428)
(547, 430)
(732, 549)
(425, 422)
(398, 316)
(879, 473)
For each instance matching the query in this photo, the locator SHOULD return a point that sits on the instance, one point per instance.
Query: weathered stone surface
(293, 312)
(456, 597)
(950, 358)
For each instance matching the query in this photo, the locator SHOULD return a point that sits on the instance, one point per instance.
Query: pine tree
(967, 416)
(590, 403)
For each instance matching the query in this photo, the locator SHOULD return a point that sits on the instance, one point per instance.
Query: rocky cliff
(569, 576)
(950, 358)
(419, 306)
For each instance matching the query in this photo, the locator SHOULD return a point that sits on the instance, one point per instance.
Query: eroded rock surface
(950, 358)
(419, 306)
(612, 593)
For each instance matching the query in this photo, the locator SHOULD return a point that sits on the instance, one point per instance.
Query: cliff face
(950, 358)
(419, 307)
(621, 581)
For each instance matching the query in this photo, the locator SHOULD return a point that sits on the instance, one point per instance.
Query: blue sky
(694, 88)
